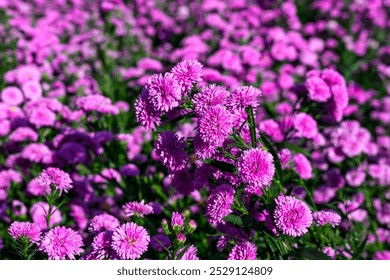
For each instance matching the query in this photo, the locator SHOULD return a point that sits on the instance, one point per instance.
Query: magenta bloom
(135, 208)
(130, 241)
(384, 255)
(187, 73)
(12, 96)
(32, 90)
(324, 217)
(42, 117)
(243, 97)
(25, 230)
(243, 251)
(305, 125)
(145, 113)
(318, 90)
(170, 149)
(55, 177)
(292, 216)
(61, 242)
(177, 220)
(256, 167)
(102, 246)
(209, 96)
(103, 222)
(215, 125)
(330, 252)
(163, 92)
(302, 166)
(219, 204)
(23, 134)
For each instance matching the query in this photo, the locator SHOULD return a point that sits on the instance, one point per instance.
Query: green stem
(251, 123)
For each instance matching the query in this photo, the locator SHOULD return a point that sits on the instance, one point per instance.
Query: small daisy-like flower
(243, 251)
(103, 222)
(11, 96)
(318, 90)
(170, 149)
(219, 204)
(324, 217)
(292, 216)
(187, 73)
(305, 125)
(61, 243)
(135, 208)
(256, 167)
(302, 166)
(243, 97)
(130, 241)
(163, 91)
(209, 96)
(19, 230)
(102, 246)
(53, 176)
(329, 251)
(215, 125)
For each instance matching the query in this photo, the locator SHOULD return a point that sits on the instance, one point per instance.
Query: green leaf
(236, 220)
(312, 254)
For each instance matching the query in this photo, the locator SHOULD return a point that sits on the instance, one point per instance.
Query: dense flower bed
(190, 130)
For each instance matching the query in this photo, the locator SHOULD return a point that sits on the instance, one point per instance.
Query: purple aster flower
(256, 167)
(42, 117)
(384, 255)
(170, 149)
(187, 73)
(318, 90)
(103, 222)
(303, 166)
(1, 244)
(130, 241)
(145, 112)
(182, 182)
(101, 245)
(355, 177)
(22, 134)
(209, 96)
(12, 96)
(135, 208)
(55, 177)
(163, 91)
(330, 252)
(219, 204)
(243, 97)
(305, 126)
(215, 125)
(98, 103)
(202, 149)
(243, 251)
(37, 152)
(32, 90)
(61, 242)
(292, 216)
(190, 254)
(324, 217)
(129, 170)
(28, 230)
